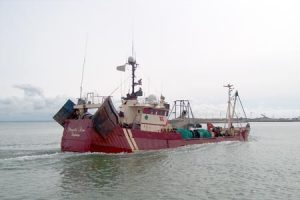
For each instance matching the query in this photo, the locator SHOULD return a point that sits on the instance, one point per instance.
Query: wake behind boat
(140, 124)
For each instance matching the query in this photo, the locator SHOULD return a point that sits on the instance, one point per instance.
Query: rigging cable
(118, 87)
(242, 107)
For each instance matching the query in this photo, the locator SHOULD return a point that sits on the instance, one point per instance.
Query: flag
(121, 68)
(140, 82)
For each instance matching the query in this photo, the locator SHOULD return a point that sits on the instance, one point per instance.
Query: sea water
(266, 167)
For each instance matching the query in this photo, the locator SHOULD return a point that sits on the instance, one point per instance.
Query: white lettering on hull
(76, 132)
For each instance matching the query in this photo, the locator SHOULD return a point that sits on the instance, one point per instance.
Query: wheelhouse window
(152, 111)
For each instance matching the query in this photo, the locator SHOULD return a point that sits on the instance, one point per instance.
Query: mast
(229, 116)
(132, 62)
(234, 103)
(83, 65)
(134, 94)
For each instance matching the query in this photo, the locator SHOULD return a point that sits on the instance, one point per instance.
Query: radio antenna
(131, 11)
(83, 65)
(133, 54)
(132, 44)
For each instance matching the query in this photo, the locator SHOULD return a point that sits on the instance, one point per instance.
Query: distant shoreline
(241, 120)
(197, 120)
(27, 121)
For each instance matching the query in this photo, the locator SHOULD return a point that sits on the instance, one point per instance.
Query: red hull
(80, 136)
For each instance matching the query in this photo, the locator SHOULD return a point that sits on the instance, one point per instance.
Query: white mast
(83, 65)
(234, 103)
(229, 115)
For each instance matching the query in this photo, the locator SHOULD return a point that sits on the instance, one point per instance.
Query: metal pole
(83, 65)
(133, 75)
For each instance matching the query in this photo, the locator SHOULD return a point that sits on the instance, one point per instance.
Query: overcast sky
(186, 49)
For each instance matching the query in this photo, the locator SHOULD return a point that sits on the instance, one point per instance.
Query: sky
(185, 49)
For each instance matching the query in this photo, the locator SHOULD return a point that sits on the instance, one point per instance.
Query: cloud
(5, 101)
(33, 105)
(30, 90)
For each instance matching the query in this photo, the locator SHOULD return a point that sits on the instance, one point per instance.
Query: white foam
(33, 157)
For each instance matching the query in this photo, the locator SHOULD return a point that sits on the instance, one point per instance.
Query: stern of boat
(77, 135)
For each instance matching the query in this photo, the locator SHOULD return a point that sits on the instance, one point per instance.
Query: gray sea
(267, 167)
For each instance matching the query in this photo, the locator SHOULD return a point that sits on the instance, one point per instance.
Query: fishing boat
(140, 124)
